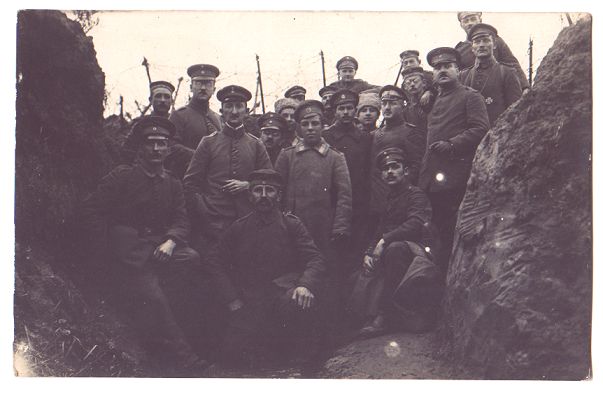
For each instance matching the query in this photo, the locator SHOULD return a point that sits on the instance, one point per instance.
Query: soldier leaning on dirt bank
(140, 212)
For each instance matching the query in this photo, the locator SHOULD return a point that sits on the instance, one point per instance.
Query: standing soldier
(502, 52)
(325, 94)
(356, 147)
(272, 128)
(317, 184)
(368, 110)
(196, 120)
(296, 92)
(139, 210)
(346, 71)
(455, 126)
(285, 107)
(497, 83)
(415, 86)
(270, 277)
(215, 183)
(395, 132)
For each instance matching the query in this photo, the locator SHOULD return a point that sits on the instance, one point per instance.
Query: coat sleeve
(512, 87)
(307, 254)
(262, 160)
(180, 226)
(219, 261)
(343, 189)
(196, 175)
(477, 125)
(178, 121)
(419, 214)
(504, 54)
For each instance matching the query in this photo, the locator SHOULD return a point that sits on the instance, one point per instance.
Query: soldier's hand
(378, 251)
(368, 264)
(234, 186)
(442, 147)
(235, 305)
(303, 297)
(164, 251)
(425, 98)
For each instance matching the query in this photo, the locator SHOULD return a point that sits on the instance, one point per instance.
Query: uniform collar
(233, 132)
(340, 130)
(151, 175)
(322, 148)
(199, 106)
(454, 87)
(267, 219)
(399, 189)
(486, 63)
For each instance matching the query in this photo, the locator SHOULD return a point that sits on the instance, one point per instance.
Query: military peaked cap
(326, 90)
(272, 120)
(344, 96)
(415, 70)
(386, 95)
(156, 126)
(347, 62)
(308, 108)
(390, 154)
(482, 29)
(233, 93)
(409, 53)
(462, 14)
(266, 177)
(443, 54)
(161, 84)
(294, 91)
(203, 72)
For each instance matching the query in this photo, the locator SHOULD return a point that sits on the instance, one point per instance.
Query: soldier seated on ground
(398, 287)
(269, 275)
(140, 212)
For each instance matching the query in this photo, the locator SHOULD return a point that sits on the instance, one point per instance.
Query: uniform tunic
(227, 154)
(356, 85)
(318, 190)
(497, 83)
(193, 122)
(404, 136)
(502, 53)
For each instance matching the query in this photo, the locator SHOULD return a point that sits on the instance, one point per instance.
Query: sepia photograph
(310, 194)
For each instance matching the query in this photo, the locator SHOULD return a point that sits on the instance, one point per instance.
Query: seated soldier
(139, 211)
(399, 287)
(269, 274)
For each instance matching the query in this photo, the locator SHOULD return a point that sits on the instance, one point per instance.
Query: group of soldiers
(269, 233)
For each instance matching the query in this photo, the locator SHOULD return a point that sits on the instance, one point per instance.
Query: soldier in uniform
(415, 85)
(216, 182)
(140, 212)
(356, 147)
(296, 92)
(272, 127)
(497, 83)
(196, 120)
(395, 132)
(270, 277)
(285, 107)
(502, 52)
(325, 94)
(399, 285)
(410, 59)
(368, 110)
(346, 72)
(317, 183)
(455, 126)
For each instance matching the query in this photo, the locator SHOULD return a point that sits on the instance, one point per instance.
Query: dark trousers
(445, 205)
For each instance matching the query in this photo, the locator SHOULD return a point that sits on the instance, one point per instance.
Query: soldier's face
(483, 46)
(153, 151)
(310, 129)
(392, 109)
(287, 113)
(161, 102)
(325, 99)
(271, 137)
(234, 112)
(410, 62)
(264, 198)
(414, 85)
(344, 113)
(347, 74)
(203, 89)
(445, 73)
(470, 21)
(393, 173)
(368, 115)
(299, 97)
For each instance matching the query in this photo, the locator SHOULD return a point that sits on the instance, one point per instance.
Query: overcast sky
(288, 44)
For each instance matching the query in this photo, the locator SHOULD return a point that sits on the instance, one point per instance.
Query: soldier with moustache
(325, 94)
(415, 85)
(502, 53)
(497, 83)
(272, 128)
(455, 126)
